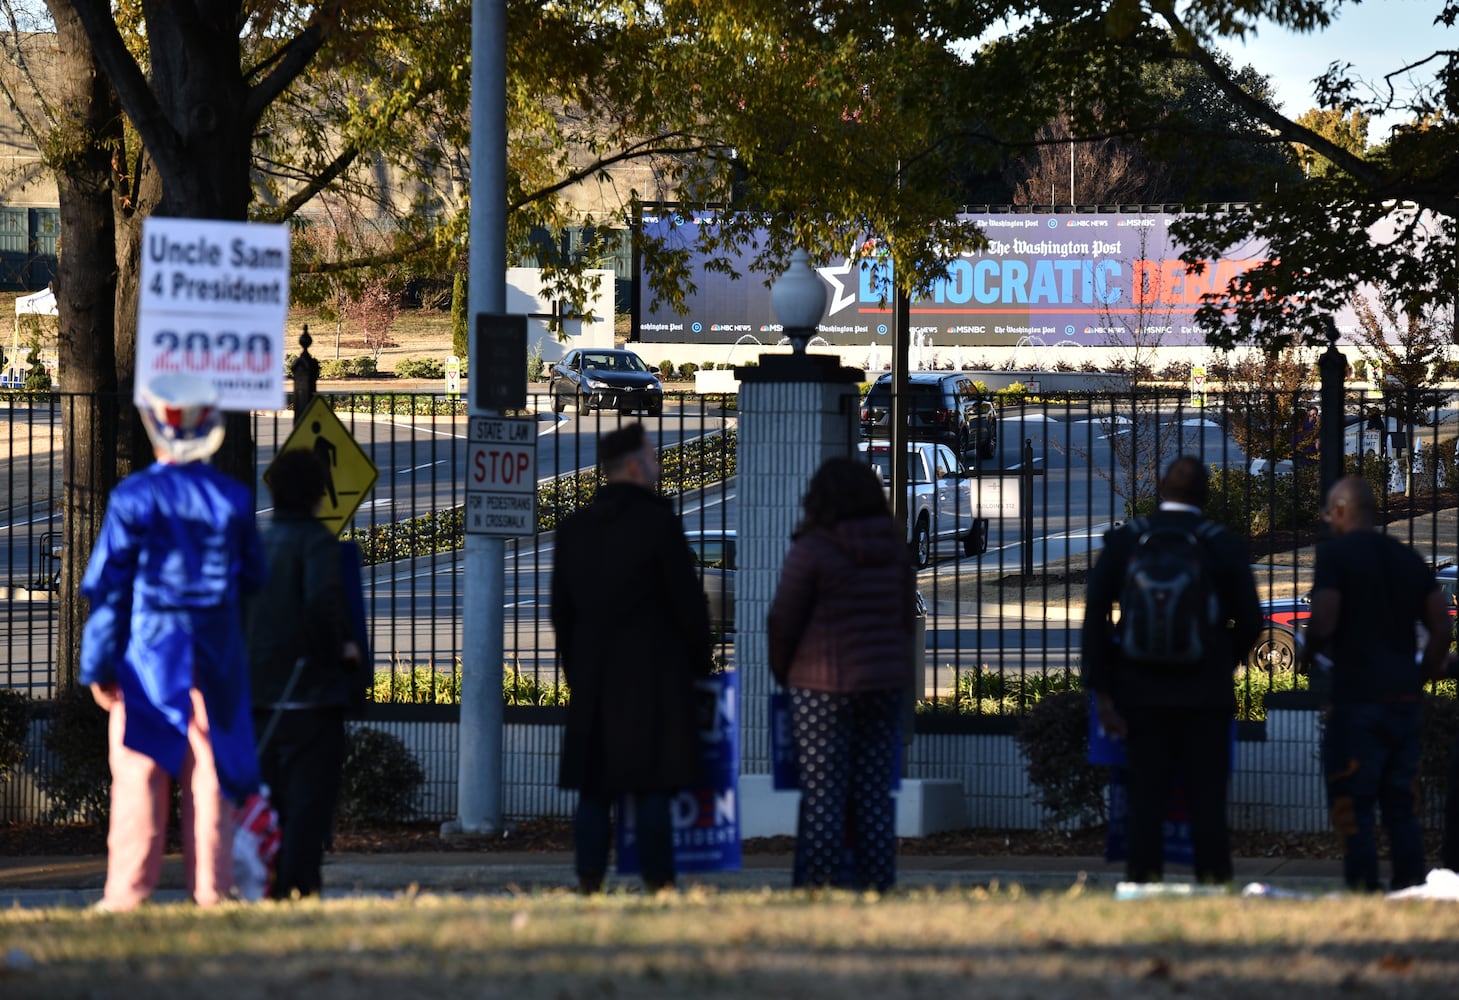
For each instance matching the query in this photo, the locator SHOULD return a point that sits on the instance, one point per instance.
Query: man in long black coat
(632, 624)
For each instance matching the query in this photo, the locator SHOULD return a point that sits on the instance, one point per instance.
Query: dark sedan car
(598, 378)
(945, 407)
(1286, 620)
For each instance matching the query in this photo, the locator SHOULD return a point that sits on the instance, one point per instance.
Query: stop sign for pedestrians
(501, 476)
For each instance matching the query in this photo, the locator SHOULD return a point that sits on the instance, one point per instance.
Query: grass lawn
(1002, 944)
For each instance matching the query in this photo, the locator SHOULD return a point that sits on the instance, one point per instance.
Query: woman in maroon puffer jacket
(840, 635)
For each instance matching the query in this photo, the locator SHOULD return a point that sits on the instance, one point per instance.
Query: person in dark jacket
(840, 633)
(1369, 591)
(302, 660)
(632, 626)
(1173, 719)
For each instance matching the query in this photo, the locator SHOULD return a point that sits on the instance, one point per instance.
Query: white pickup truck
(940, 498)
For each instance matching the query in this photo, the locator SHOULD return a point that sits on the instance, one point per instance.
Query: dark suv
(945, 407)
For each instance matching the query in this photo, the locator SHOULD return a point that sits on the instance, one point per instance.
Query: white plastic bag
(255, 846)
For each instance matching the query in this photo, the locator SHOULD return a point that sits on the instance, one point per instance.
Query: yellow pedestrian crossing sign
(348, 471)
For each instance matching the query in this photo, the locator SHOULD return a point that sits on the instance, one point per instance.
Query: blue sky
(1377, 37)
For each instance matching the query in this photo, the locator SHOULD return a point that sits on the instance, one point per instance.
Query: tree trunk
(139, 200)
(199, 85)
(86, 288)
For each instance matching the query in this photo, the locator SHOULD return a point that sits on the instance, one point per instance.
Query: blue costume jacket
(177, 547)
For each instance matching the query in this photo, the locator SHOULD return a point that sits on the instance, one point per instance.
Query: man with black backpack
(1161, 672)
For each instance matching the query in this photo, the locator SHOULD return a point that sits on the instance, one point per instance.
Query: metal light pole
(1333, 369)
(479, 769)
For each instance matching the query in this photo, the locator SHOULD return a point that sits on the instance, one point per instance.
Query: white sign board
(997, 496)
(501, 476)
(214, 299)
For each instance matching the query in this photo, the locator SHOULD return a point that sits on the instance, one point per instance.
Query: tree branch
(130, 84)
(628, 153)
(1380, 185)
(291, 60)
(314, 186)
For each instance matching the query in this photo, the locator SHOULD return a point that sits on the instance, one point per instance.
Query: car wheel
(583, 405)
(558, 403)
(922, 543)
(1275, 652)
(655, 411)
(975, 543)
(990, 447)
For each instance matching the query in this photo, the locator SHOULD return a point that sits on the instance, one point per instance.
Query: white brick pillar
(795, 411)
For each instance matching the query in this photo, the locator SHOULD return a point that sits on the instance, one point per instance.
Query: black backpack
(1169, 607)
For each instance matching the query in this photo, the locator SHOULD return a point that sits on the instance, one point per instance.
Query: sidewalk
(35, 882)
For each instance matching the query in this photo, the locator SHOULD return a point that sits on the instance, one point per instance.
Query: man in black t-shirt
(1369, 592)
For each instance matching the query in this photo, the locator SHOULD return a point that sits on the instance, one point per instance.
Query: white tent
(42, 303)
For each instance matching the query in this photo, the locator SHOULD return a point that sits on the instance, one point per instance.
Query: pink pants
(138, 834)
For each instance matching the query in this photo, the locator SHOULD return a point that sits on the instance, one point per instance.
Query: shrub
(1141, 506)
(688, 370)
(1176, 371)
(418, 685)
(687, 466)
(1440, 466)
(1009, 394)
(397, 403)
(79, 785)
(1054, 738)
(15, 712)
(536, 367)
(666, 368)
(424, 685)
(528, 689)
(419, 368)
(460, 334)
(360, 367)
(37, 379)
(382, 779)
(1006, 692)
(1256, 504)
(335, 368)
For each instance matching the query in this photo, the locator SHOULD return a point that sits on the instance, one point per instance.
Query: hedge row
(689, 466)
(1014, 693)
(424, 685)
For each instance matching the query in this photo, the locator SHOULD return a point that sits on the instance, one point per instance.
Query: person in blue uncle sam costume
(163, 649)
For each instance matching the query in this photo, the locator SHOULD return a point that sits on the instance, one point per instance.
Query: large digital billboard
(1085, 278)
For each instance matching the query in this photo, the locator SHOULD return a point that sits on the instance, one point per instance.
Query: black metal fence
(1002, 625)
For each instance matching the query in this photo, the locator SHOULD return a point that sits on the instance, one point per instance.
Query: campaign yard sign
(706, 818)
(1110, 751)
(213, 303)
